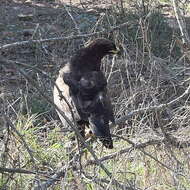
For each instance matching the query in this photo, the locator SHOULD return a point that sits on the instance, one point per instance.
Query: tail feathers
(107, 142)
(100, 128)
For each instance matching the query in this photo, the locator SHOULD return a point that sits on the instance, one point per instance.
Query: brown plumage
(92, 103)
(84, 86)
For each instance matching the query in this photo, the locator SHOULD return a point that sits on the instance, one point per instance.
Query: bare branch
(19, 170)
(100, 180)
(181, 22)
(123, 151)
(151, 108)
(52, 180)
(134, 146)
(72, 37)
(16, 170)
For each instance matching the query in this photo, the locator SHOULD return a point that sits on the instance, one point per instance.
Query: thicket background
(148, 84)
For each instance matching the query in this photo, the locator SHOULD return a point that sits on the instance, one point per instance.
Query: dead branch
(107, 182)
(151, 108)
(165, 140)
(123, 151)
(16, 170)
(72, 37)
(181, 22)
(141, 147)
(20, 171)
(60, 173)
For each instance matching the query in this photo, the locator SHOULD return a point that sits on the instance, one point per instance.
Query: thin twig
(123, 151)
(18, 170)
(146, 153)
(107, 182)
(151, 108)
(60, 173)
(181, 23)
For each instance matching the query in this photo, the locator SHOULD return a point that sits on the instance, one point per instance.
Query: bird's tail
(100, 127)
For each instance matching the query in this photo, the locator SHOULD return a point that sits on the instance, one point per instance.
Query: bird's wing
(100, 114)
(108, 106)
(100, 127)
(104, 98)
(95, 107)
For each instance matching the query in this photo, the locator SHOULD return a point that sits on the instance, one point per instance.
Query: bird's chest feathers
(83, 66)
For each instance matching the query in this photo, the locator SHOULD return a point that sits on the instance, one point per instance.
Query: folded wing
(91, 100)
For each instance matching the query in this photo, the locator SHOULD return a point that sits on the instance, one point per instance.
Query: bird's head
(102, 47)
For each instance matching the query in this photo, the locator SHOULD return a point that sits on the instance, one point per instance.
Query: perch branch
(16, 170)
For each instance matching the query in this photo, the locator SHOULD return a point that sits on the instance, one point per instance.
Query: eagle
(92, 103)
(84, 86)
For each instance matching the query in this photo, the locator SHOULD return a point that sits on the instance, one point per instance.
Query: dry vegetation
(148, 84)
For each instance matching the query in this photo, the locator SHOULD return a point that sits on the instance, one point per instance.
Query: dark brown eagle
(84, 86)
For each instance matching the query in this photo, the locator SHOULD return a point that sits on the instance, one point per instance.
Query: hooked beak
(114, 51)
